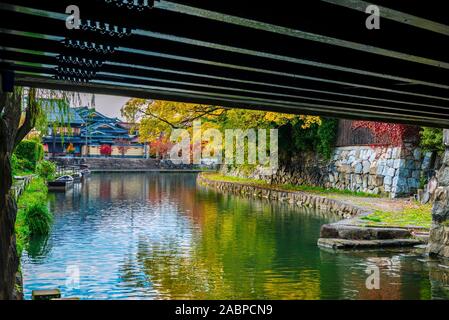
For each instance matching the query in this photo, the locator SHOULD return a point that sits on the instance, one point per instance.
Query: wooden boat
(77, 177)
(61, 184)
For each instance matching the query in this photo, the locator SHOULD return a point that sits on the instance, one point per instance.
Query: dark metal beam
(240, 55)
(356, 81)
(115, 88)
(48, 65)
(395, 15)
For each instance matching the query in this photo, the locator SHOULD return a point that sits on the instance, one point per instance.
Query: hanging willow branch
(26, 109)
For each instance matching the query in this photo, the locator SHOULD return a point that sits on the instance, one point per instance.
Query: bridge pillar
(7, 81)
(439, 233)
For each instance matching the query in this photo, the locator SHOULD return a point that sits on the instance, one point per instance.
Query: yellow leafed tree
(161, 117)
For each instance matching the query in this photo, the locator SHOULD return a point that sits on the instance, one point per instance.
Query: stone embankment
(439, 234)
(343, 209)
(392, 171)
(340, 235)
(127, 164)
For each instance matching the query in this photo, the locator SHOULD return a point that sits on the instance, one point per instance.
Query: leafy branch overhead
(158, 118)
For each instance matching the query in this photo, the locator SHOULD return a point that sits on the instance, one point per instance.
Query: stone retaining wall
(342, 209)
(439, 233)
(394, 171)
(124, 164)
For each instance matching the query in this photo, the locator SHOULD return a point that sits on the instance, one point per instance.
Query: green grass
(414, 215)
(219, 177)
(315, 189)
(22, 173)
(290, 187)
(32, 214)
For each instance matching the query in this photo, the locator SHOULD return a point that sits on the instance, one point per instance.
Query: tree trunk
(9, 261)
(10, 135)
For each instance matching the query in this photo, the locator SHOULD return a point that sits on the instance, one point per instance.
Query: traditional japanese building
(85, 131)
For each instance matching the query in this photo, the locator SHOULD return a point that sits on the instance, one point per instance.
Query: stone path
(371, 204)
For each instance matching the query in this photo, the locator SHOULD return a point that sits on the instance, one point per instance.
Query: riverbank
(385, 221)
(35, 194)
(115, 164)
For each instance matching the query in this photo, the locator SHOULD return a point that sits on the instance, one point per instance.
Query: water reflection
(159, 236)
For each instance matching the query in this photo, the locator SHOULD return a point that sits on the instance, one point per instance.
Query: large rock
(389, 172)
(358, 168)
(398, 163)
(439, 241)
(440, 211)
(380, 169)
(388, 180)
(417, 154)
(439, 234)
(366, 166)
(443, 176)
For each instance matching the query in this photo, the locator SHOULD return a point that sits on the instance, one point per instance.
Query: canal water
(160, 236)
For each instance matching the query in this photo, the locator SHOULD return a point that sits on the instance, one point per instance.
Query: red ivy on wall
(388, 133)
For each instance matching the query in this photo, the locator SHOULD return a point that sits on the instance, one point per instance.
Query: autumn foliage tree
(105, 150)
(70, 148)
(160, 147)
(162, 117)
(123, 145)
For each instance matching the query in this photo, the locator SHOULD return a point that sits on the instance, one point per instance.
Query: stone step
(46, 294)
(353, 232)
(366, 244)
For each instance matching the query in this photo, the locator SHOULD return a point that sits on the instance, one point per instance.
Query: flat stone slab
(351, 232)
(366, 244)
(46, 294)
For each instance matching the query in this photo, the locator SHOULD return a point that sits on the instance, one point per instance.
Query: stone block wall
(117, 164)
(395, 171)
(392, 170)
(439, 233)
(339, 208)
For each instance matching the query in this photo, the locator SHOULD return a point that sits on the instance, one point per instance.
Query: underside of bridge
(317, 58)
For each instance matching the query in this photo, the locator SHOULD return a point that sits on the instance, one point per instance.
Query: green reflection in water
(160, 236)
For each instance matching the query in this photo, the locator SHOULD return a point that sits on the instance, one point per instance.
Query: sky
(108, 105)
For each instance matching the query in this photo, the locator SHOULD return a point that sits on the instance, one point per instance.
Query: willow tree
(16, 121)
(12, 131)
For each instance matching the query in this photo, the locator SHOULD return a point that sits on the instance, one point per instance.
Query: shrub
(35, 194)
(29, 153)
(319, 138)
(327, 135)
(14, 164)
(46, 170)
(432, 139)
(38, 218)
(105, 150)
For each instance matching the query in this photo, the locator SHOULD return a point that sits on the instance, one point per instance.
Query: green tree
(432, 139)
(161, 117)
(16, 121)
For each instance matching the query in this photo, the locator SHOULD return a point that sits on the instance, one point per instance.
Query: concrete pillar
(439, 234)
